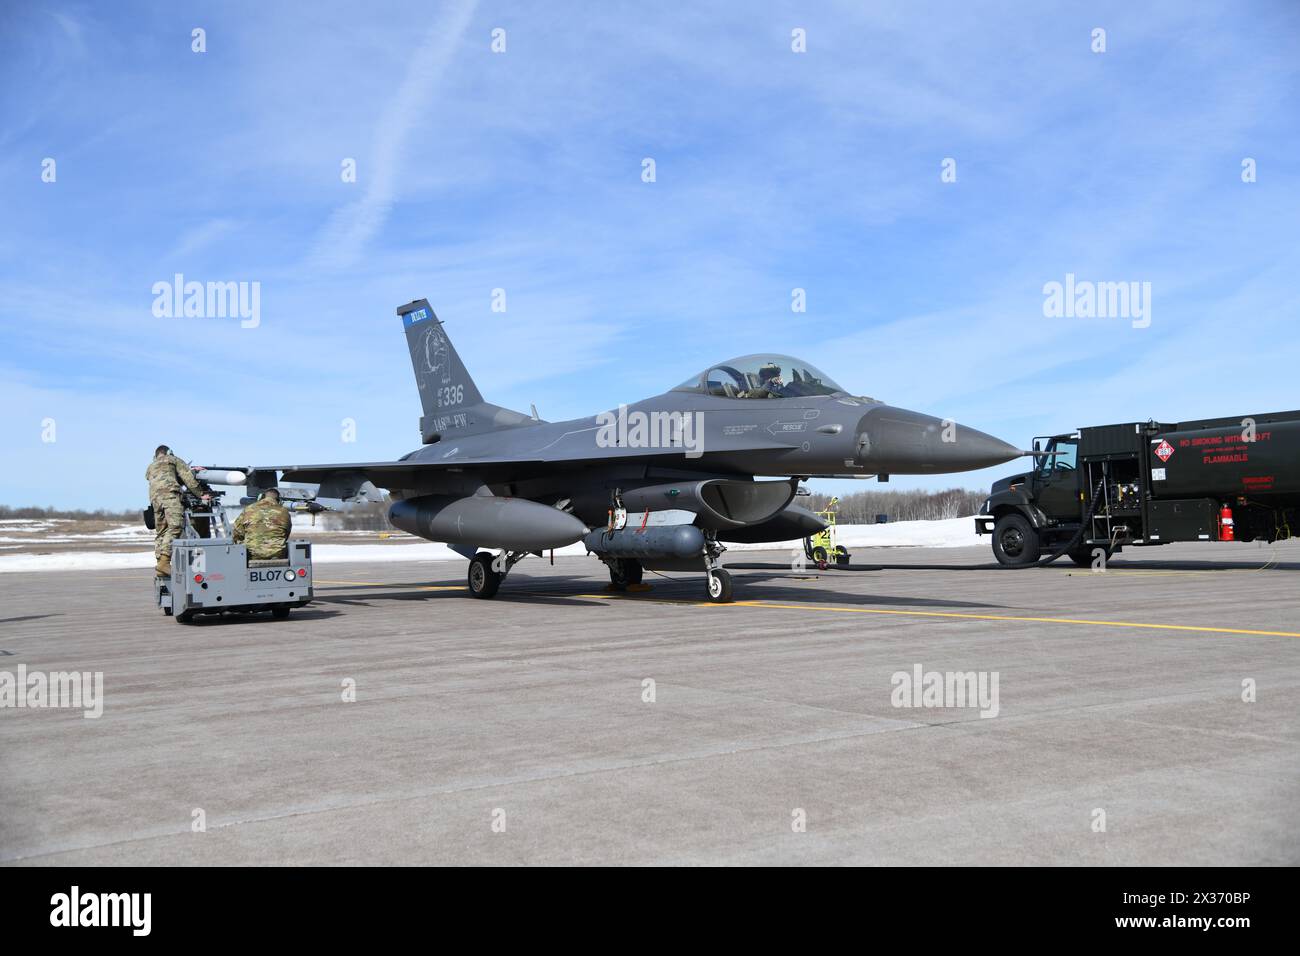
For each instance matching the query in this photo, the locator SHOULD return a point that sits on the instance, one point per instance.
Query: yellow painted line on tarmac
(1007, 617)
(1081, 572)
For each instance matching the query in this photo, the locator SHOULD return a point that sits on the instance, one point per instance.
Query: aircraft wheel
(483, 580)
(625, 572)
(819, 555)
(1015, 541)
(720, 586)
(841, 554)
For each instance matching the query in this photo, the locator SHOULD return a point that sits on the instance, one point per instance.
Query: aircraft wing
(345, 479)
(387, 474)
(562, 453)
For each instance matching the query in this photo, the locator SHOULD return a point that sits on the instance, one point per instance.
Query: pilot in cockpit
(770, 384)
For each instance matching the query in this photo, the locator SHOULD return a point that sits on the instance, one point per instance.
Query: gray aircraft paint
(475, 448)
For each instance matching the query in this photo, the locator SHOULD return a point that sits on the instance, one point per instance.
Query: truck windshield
(1060, 456)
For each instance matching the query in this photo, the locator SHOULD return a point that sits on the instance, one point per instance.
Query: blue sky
(522, 171)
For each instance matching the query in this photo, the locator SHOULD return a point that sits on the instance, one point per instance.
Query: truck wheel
(280, 613)
(185, 617)
(720, 586)
(483, 580)
(1015, 542)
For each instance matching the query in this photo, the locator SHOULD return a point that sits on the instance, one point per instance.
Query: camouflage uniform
(165, 475)
(263, 528)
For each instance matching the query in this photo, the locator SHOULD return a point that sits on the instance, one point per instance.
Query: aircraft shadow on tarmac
(568, 590)
(454, 590)
(823, 592)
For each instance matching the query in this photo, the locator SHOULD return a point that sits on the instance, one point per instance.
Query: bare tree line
(33, 512)
(861, 507)
(363, 516)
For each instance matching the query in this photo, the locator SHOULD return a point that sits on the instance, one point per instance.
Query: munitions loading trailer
(213, 575)
(1148, 483)
(823, 547)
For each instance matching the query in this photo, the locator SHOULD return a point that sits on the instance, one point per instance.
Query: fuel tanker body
(1148, 483)
(1259, 459)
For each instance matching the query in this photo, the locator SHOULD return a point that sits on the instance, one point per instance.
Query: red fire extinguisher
(1226, 531)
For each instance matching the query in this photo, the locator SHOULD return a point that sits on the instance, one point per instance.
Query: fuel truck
(1148, 483)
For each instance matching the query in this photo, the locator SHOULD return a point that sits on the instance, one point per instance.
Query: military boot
(164, 566)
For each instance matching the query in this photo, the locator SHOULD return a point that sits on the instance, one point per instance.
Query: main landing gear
(488, 570)
(624, 573)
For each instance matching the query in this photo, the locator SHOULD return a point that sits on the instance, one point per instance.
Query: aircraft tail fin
(451, 402)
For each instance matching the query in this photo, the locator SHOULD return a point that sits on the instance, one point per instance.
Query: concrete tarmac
(563, 724)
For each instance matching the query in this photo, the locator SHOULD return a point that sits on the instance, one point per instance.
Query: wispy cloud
(200, 237)
(344, 237)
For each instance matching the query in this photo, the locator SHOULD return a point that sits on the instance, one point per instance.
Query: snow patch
(949, 533)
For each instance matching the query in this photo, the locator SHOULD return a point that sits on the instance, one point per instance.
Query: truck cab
(1024, 512)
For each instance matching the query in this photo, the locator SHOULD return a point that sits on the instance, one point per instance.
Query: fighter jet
(663, 484)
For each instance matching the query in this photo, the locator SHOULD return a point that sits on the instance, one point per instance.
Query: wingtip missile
(220, 476)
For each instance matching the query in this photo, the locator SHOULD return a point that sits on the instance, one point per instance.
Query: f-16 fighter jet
(663, 484)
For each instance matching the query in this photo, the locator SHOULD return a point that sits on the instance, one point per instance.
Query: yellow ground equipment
(823, 547)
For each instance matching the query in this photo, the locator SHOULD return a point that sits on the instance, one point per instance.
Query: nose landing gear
(719, 579)
(720, 586)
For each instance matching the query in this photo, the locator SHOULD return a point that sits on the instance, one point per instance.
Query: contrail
(349, 228)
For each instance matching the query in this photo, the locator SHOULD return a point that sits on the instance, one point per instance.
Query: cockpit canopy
(765, 375)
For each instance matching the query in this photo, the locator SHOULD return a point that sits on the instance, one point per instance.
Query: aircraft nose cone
(898, 441)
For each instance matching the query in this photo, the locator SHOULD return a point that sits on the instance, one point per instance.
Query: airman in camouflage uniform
(263, 527)
(165, 475)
